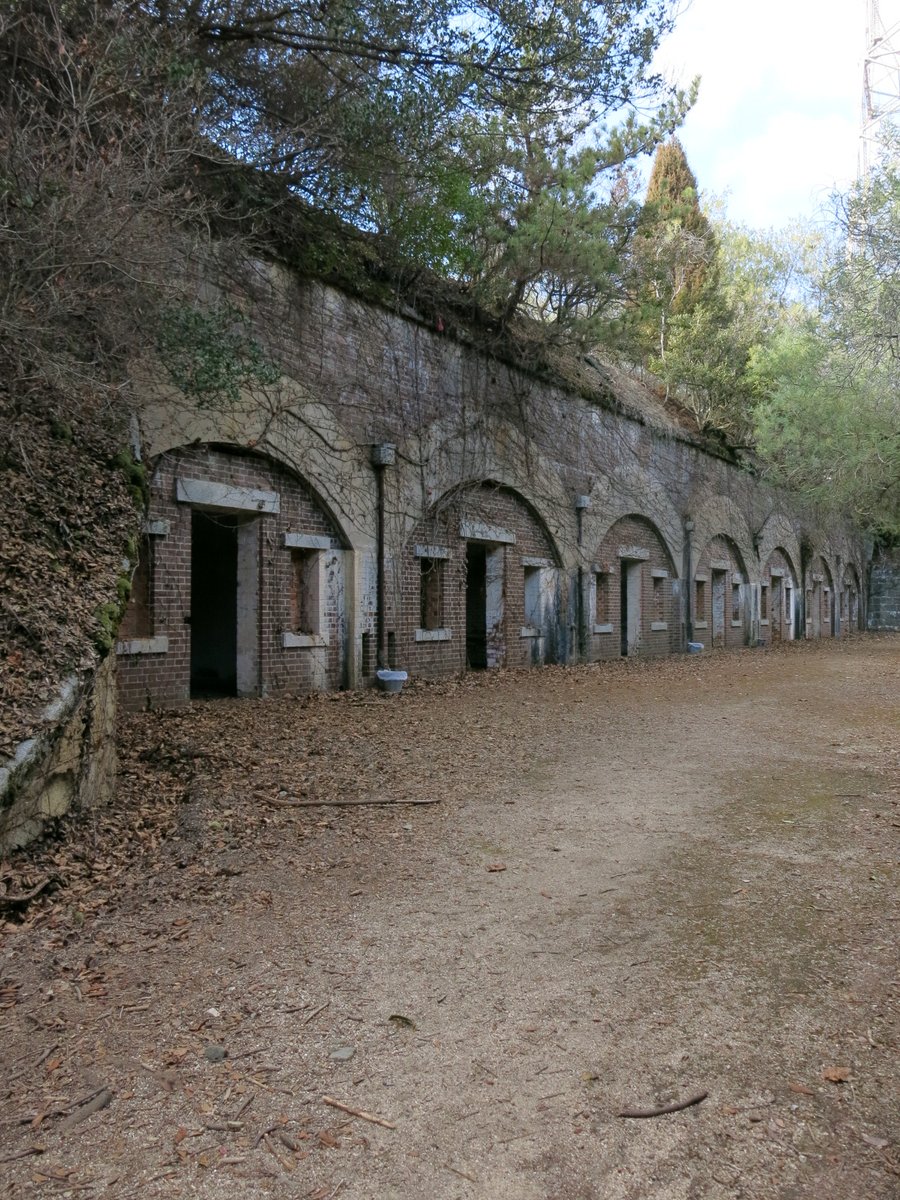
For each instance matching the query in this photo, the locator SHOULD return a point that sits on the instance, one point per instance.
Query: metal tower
(881, 76)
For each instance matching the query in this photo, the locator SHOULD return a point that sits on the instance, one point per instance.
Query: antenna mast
(881, 77)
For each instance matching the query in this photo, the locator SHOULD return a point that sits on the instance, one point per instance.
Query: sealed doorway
(630, 606)
(718, 607)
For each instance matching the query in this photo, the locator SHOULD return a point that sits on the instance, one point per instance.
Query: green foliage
(706, 367)
(678, 230)
(210, 354)
(673, 257)
(827, 429)
(135, 477)
(108, 618)
(828, 421)
(482, 140)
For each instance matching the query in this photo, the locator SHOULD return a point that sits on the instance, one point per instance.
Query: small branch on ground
(663, 1108)
(358, 1112)
(103, 1097)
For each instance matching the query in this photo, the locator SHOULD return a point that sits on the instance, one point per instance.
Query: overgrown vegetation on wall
(68, 523)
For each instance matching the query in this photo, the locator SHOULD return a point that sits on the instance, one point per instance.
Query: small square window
(659, 598)
(431, 593)
(533, 606)
(138, 622)
(305, 591)
(602, 612)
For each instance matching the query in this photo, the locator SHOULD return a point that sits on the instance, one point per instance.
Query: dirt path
(641, 882)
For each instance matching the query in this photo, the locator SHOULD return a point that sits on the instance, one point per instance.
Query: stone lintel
(205, 494)
(434, 635)
(151, 645)
(303, 641)
(306, 541)
(477, 531)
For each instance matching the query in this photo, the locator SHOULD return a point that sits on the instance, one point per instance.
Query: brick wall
(632, 556)
(850, 600)
(778, 599)
(359, 374)
(154, 677)
(719, 614)
(492, 508)
(884, 590)
(820, 599)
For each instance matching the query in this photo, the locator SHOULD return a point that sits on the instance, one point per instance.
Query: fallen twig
(23, 1154)
(315, 1012)
(461, 1174)
(101, 1100)
(288, 1141)
(663, 1108)
(358, 1112)
(47, 1054)
(284, 1163)
(23, 899)
(343, 802)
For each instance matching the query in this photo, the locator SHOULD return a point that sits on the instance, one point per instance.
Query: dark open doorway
(213, 604)
(476, 606)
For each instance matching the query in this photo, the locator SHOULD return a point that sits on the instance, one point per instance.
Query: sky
(776, 126)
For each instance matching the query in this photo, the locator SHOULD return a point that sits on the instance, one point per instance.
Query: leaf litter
(141, 886)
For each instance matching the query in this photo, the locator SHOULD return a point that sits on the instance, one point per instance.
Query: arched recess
(722, 601)
(632, 599)
(242, 589)
(651, 504)
(851, 606)
(480, 585)
(778, 532)
(779, 598)
(821, 609)
(720, 516)
(493, 452)
(287, 426)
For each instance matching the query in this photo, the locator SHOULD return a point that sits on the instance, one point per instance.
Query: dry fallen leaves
(836, 1074)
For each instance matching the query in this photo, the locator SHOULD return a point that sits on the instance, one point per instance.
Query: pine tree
(672, 206)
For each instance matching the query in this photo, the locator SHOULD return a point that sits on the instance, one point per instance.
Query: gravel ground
(639, 883)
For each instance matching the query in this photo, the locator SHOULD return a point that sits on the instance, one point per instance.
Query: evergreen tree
(673, 255)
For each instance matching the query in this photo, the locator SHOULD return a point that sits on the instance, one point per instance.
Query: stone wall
(69, 762)
(884, 590)
(528, 515)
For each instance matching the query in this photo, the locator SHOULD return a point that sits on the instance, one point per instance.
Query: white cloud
(789, 168)
(777, 119)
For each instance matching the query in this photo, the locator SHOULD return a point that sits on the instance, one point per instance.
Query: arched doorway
(481, 585)
(242, 583)
(721, 595)
(631, 601)
(778, 599)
